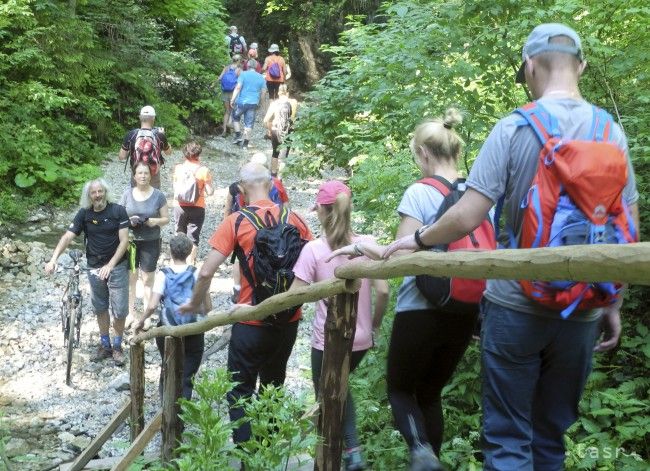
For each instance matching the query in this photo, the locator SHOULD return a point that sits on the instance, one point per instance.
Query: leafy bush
(279, 427)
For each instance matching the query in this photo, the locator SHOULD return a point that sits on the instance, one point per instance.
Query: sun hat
(274, 48)
(253, 46)
(538, 42)
(328, 192)
(148, 112)
(233, 28)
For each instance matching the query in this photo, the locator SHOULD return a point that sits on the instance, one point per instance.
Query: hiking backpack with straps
(146, 148)
(229, 80)
(275, 72)
(282, 119)
(275, 251)
(178, 291)
(576, 197)
(186, 185)
(236, 46)
(456, 294)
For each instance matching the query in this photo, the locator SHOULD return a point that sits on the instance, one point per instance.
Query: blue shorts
(113, 291)
(248, 111)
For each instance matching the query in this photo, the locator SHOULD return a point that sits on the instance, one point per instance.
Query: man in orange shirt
(256, 349)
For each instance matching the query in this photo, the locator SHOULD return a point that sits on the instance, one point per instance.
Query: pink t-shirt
(311, 267)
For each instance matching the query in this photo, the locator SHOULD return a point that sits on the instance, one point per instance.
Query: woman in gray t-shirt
(426, 342)
(147, 210)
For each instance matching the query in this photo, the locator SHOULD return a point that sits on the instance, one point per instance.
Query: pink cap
(329, 190)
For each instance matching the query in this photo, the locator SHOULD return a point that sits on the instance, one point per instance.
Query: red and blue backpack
(576, 197)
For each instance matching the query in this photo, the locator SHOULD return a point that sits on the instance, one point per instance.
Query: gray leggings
(350, 436)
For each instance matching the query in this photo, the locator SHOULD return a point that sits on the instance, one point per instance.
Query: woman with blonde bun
(426, 343)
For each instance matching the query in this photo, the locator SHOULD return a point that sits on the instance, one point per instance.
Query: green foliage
(277, 421)
(206, 439)
(280, 430)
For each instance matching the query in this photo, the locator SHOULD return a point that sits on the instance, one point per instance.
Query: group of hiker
(245, 83)
(542, 167)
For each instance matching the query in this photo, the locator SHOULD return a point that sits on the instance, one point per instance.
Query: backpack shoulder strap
(284, 214)
(601, 125)
(439, 183)
(252, 217)
(540, 120)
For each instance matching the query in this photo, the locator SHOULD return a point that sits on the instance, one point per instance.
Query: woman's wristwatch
(418, 240)
(357, 251)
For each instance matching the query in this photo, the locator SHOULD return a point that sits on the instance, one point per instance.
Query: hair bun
(452, 118)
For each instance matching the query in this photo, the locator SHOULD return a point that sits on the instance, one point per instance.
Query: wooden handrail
(623, 263)
(277, 303)
(629, 263)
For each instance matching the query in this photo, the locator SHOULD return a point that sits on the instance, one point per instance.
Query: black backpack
(275, 251)
(236, 46)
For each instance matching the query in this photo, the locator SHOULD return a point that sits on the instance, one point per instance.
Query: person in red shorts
(257, 349)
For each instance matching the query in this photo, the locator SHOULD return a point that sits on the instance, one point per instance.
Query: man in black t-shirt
(106, 232)
(147, 119)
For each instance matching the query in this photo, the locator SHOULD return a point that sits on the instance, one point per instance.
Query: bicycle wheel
(70, 335)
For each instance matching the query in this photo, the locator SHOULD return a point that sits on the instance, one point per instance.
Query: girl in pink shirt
(333, 207)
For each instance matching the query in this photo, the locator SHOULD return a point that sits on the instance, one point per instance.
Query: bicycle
(71, 311)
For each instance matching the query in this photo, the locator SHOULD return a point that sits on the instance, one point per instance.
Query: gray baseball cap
(539, 41)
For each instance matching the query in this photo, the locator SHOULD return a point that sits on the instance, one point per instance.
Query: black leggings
(425, 347)
(275, 143)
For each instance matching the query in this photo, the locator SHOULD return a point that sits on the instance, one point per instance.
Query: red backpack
(146, 148)
(575, 198)
(456, 294)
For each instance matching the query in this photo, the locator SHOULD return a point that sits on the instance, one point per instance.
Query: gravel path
(45, 422)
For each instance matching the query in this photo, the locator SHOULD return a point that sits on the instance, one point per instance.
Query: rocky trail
(45, 423)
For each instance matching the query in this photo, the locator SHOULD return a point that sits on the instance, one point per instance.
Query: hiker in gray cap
(538, 338)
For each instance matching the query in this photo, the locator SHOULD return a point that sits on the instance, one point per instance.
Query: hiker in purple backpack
(148, 143)
(535, 363)
(427, 342)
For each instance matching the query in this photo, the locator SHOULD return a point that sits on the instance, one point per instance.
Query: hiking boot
(118, 356)
(101, 354)
(424, 459)
(235, 295)
(354, 461)
(238, 140)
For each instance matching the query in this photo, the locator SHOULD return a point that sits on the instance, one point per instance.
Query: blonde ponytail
(337, 221)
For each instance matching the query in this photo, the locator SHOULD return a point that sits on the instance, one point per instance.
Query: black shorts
(189, 221)
(273, 87)
(146, 254)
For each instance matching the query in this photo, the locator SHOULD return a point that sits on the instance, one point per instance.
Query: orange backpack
(576, 197)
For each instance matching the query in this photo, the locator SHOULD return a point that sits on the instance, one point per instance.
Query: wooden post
(172, 426)
(96, 445)
(139, 444)
(136, 372)
(339, 335)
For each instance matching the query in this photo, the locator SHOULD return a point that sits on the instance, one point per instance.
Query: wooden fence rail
(622, 263)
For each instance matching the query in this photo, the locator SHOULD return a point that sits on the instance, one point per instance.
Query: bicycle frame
(71, 312)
